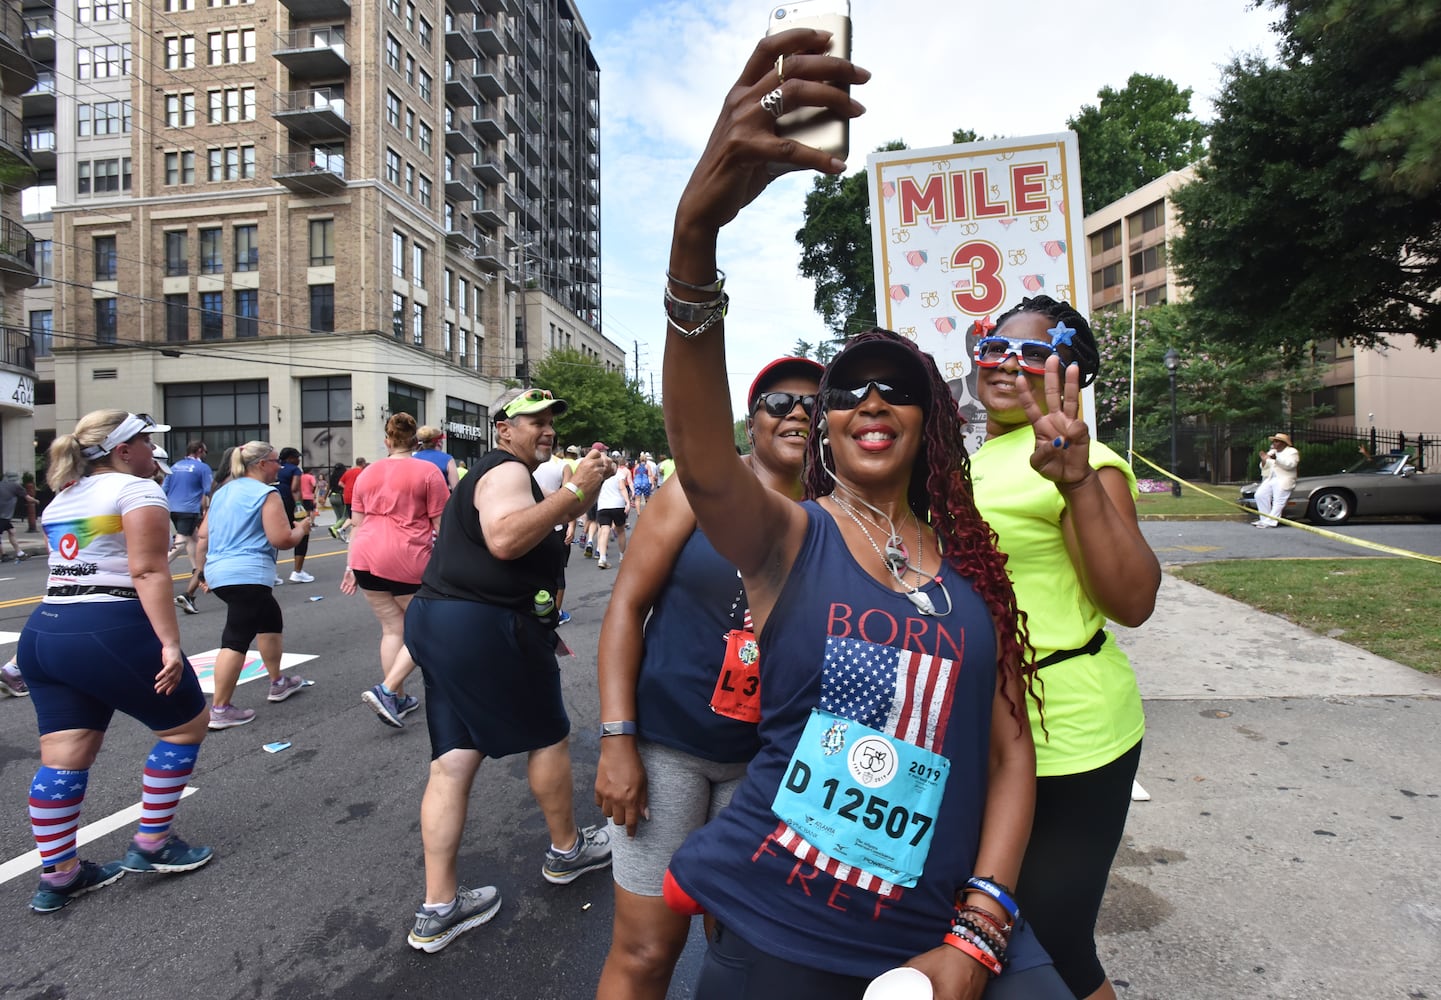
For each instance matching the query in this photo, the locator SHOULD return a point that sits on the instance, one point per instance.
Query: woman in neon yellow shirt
(1064, 509)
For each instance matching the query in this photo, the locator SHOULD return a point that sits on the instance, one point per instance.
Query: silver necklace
(915, 595)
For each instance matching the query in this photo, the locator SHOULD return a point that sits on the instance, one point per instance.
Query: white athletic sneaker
(299, 576)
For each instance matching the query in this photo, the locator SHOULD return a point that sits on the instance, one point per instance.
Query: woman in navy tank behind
(887, 810)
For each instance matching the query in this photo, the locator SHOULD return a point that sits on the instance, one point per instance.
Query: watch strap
(625, 728)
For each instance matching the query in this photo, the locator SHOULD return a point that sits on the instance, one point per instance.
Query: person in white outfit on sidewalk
(1278, 479)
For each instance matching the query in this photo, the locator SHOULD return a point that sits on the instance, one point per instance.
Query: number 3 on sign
(987, 292)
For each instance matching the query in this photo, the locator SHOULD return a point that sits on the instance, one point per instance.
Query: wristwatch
(626, 728)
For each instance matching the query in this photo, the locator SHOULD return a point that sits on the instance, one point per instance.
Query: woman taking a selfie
(884, 816)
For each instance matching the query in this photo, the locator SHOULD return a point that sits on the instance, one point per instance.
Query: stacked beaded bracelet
(966, 940)
(691, 319)
(978, 932)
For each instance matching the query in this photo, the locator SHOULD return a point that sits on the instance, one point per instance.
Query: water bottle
(544, 603)
(300, 511)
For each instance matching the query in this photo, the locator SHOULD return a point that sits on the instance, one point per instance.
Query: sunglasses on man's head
(525, 398)
(840, 398)
(1031, 355)
(780, 404)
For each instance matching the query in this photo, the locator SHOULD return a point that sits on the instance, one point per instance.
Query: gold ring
(781, 67)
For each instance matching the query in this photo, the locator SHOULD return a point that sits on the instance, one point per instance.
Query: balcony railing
(17, 347)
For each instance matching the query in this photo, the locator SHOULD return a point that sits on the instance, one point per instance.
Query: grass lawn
(1190, 502)
(1387, 606)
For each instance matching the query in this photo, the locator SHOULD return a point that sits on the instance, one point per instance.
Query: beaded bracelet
(714, 286)
(1001, 894)
(982, 913)
(996, 944)
(962, 944)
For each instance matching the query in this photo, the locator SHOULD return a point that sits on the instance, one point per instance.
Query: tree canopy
(603, 405)
(1134, 135)
(1318, 212)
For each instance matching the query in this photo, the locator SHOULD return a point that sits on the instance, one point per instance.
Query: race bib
(866, 799)
(737, 692)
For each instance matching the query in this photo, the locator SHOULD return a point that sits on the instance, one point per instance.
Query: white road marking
(25, 863)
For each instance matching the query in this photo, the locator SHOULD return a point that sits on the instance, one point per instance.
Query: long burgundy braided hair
(940, 492)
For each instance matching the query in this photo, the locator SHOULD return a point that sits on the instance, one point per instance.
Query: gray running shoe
(591, 852)
(186, 604)
(175, 855)
(406, 704)
(230, 716)
(12, 683)
(88, 877)
(385, 705)
(285, 687)
(473, 907)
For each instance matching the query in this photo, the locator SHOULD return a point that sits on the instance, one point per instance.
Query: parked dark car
(1384, 485)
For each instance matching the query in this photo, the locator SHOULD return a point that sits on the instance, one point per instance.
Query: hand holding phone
(817, 127)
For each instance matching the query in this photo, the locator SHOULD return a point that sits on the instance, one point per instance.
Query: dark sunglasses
(837, 398)
(780, 404)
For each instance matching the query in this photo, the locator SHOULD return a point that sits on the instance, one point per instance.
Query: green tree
(604, 405)
(1133, 136)
(836, 251)
(1290, 235)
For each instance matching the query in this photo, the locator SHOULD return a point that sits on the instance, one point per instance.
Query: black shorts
(185, 524)
(1078, 825)
(366, 580)
(250, 610)
(5, 525)
(85, 661)
(492, 682)
(612, 516)
(304, 546)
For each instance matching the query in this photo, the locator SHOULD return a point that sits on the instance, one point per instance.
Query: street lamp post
(1173, 361)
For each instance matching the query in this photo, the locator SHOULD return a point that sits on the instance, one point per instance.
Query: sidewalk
(1292, 847)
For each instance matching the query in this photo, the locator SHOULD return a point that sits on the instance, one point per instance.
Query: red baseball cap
(779, 369)
(599, 446)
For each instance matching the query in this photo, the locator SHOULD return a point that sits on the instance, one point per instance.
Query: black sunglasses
(780, 404)
(837, 398)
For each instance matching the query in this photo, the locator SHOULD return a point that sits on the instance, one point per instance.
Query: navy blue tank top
(684, 646)
(839, 640)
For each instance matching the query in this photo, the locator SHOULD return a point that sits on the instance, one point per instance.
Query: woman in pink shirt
(395, 511)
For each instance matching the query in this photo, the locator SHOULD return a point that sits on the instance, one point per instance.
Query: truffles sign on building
(962, 233)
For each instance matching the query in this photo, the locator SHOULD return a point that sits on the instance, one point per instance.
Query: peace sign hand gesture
(1063, 441)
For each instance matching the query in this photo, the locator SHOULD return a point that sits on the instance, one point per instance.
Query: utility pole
(637, 362)
(652, 388)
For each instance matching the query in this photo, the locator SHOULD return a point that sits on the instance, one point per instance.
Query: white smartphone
(817, 127)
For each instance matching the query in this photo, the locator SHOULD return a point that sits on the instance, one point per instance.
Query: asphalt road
(319, 862)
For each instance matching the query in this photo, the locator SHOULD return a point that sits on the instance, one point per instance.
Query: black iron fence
(1229, 454)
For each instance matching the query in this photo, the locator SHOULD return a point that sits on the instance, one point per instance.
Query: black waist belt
(80, 590)
(1089, 649)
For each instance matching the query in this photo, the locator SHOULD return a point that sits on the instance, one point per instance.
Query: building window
(102, 10)
(247, 312)
(392, 167)
(105, 264)
(1148, 260)
(219, 413)
(322, 308)
(1107, 239)
(417, 265)
(410, 17)
(177, 254)
(410, 124)
(445, 287)
(109, 176)
(410, 179)
(212, 252)
(397, 255)
(41, 332)
(402, 398)
(103, 118)
(463, 352)
(410, 70)
(100, 62)
(212, 314)
(447, 346)
(232, 104)
(397, 315)
(426, 196)
(426, 33)
(322, 242)
(417, 324)
(178, 6)
(231, 163)
(392, 52)
(475, 359)
(105, 316)
(180, 52)
(326, 421)
(392, 109)
(234, 45)
(426, 134)
(180, 168)
(177, 317)
(45, 262)
(247, 248)
(1152, 217)
(426, 83)
(462, 297)
(179, 110)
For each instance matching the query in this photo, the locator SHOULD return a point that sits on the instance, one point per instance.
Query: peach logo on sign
(69, 546)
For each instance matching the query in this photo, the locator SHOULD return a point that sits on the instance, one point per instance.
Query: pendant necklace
(896, 560)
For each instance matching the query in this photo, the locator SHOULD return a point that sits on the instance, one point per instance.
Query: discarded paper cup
(900, 984)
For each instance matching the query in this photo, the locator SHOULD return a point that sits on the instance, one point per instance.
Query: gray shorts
(683, 793)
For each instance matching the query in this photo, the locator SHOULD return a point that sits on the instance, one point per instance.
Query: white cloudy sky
(1001, 69)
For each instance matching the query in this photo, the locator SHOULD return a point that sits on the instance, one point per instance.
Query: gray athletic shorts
(683, 793)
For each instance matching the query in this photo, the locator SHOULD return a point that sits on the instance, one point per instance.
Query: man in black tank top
(490, 587)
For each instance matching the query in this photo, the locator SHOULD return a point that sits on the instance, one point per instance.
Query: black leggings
(1080, 819)
(733, 970)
